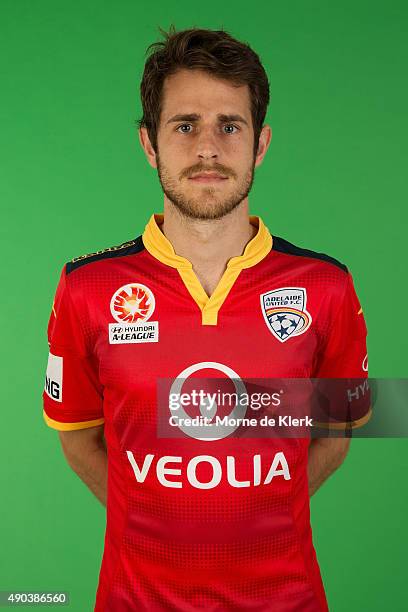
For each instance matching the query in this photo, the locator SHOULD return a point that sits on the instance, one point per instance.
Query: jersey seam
(323, 261)
(337, 263)
(119, 560)
(300, 547)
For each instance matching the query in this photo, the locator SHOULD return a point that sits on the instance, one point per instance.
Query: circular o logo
(211, 431)
(132, 303)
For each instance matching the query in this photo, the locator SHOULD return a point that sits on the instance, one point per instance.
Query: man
(218, 523)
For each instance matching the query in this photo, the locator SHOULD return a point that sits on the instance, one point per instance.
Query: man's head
(204, 97)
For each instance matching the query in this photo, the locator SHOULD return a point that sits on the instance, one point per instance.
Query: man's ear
(265, 138)
(147, 147)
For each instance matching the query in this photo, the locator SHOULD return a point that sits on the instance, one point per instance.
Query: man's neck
(209, 245)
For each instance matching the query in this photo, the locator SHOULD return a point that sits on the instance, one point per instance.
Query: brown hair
(214, 51)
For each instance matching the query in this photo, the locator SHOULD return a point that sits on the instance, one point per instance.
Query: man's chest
(144, 329)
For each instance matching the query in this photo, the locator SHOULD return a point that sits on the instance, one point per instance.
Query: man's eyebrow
(222, 118)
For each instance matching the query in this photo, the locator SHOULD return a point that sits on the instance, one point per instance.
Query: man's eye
(183, 125)
(230, 125)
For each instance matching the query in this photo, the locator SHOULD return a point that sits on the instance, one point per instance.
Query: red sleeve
(73, 395)
(343, 359)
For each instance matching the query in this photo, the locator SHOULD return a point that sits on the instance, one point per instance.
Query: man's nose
(207, 147)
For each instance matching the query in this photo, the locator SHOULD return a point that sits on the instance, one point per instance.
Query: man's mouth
(207, 177)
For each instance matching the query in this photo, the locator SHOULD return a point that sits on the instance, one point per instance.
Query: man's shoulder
(300, 253)
(130, 247)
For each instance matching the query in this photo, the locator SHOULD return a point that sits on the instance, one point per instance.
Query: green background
(74, 179)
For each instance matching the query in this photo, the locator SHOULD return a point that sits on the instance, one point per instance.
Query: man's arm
(325, 456)
(85, 452)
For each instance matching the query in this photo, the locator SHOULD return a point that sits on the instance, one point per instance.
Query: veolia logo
(171, 466)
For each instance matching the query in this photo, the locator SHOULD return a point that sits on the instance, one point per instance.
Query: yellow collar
(161, 248)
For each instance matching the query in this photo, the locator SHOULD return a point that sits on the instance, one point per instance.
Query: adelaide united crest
(284, 311)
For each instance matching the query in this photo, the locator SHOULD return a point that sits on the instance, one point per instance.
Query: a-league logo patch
(132, 306)
(285, 313)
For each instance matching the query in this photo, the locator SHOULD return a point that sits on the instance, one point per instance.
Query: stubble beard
(206, 205)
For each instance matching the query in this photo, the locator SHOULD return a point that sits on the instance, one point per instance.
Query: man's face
(205, 126)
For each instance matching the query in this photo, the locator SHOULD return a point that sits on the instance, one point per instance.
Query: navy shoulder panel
(126, 248)
(284, 246)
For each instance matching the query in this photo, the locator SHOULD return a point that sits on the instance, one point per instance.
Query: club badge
(284, 311)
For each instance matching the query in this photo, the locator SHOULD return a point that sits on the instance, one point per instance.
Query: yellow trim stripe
(161, 248)
(360, 311)
(278, 309)
(350, 424)
(71, 426)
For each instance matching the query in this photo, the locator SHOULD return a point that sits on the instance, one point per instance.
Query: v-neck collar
(161, 248)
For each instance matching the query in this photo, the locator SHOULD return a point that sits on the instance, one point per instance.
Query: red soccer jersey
(192, 524)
